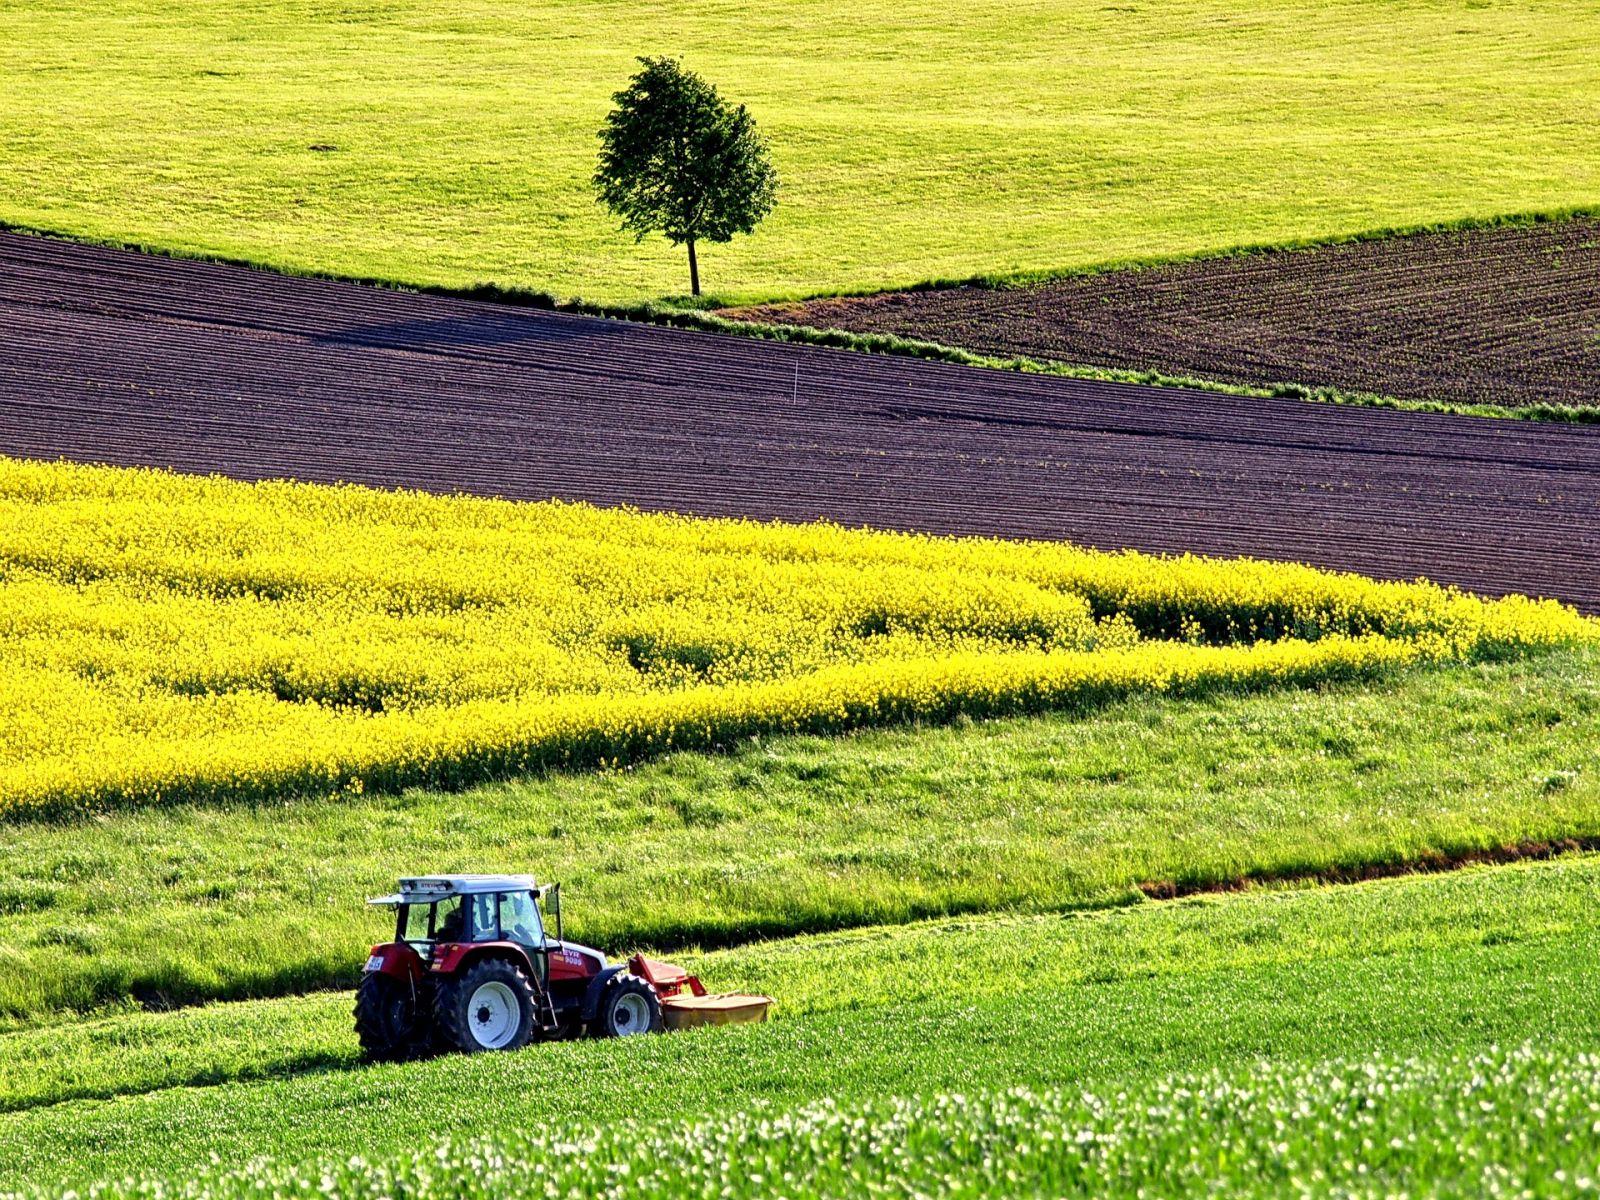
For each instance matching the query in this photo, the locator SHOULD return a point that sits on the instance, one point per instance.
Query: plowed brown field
(1501, 316)
(114, 357)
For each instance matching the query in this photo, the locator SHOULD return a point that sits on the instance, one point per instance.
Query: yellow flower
(172, 638)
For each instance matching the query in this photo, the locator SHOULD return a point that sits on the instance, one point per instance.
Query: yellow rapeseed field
(167, 638)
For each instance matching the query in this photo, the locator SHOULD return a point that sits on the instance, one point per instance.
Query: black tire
(386, 1018)
(489, 1006)
(628, 1006)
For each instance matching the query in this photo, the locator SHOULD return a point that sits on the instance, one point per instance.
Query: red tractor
(472, 968)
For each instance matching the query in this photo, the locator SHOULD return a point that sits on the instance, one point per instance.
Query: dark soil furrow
(1505, 316)
(120, 358)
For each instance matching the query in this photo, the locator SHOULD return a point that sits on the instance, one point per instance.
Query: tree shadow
(477, 331)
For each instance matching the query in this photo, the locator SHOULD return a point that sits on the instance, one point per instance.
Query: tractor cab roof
(430, 889)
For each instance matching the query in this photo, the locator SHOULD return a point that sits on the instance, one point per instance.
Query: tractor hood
(570, 960)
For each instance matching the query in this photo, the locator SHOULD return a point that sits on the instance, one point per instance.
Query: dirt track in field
(113, 357)
(1502, 316)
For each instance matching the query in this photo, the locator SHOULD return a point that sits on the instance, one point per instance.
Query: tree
(676, 157)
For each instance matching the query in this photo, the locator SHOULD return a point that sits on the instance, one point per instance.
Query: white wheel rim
(493, 1016)
(631, 1015)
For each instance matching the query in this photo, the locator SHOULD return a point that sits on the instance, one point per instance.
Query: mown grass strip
(1428, 965)
(974, 957)
(1431, 863)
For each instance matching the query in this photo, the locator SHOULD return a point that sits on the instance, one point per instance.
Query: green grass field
(1515, 1122)
(796, 834)
(1431, 966)
(915, 140)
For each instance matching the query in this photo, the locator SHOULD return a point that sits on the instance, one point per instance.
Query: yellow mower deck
(728, 1008)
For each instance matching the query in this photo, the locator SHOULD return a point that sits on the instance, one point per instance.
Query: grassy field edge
(848, 970)
(1030, 278)
(527, 297)
(881, 343)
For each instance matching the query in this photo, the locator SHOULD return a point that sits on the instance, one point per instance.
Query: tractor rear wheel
(628, 1006)
(489, 1006)
(386, 1018)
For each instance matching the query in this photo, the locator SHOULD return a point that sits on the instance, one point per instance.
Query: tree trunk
(694, 271)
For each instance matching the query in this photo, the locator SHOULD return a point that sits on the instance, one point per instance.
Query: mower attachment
(685, 1004)
(687, 1012)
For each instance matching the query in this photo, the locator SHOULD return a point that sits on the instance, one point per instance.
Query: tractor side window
(449, 916)
(519, 919)
(484, 928)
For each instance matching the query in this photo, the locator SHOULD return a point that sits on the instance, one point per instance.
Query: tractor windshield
(503, 916)
(480, 917)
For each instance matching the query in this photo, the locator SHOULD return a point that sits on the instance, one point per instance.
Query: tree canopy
(677, 158)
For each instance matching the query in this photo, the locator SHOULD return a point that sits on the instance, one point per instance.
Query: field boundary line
(1011, 280)
(994, 280)
(704, 317)
(885, 343)
(1429, 862)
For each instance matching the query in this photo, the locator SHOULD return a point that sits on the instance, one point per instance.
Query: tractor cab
(445, 917)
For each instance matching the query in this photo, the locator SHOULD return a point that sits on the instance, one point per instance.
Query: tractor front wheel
(489, 1006)
(628, 1006)
(386, 1018)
